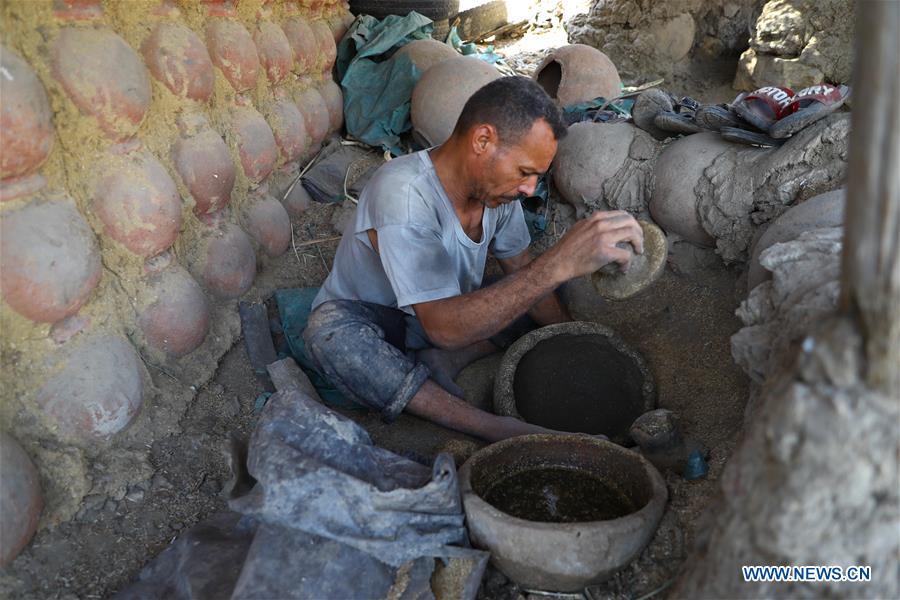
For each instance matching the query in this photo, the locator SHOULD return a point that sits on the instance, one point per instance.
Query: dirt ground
(682, 327)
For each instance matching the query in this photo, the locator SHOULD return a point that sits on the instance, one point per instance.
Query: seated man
(408, 271)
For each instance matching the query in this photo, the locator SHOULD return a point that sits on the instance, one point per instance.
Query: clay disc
(644, 270)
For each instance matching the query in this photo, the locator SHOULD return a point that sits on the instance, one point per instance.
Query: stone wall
(647, 39)
(145, 152)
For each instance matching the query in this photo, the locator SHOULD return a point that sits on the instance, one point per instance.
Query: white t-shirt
(424, 253)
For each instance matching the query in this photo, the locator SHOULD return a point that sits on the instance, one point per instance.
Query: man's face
(512, 171)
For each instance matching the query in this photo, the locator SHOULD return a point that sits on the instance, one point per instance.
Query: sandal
(808, 106)
(716, 116)
(765, 106)
(750, 138)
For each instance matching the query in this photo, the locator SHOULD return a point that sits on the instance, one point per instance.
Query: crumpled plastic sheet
(331, 516)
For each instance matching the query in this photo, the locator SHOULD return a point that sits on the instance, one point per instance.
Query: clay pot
(20, 497)
(77, 10)
(25, 119)
(606, 399)
(255, 142)
(315, 114)
(673, 202)
(824, 210)
(561, 557)
(297, 201)
(274, 51)
(424, 54)
(334, 100)
(325, 42)
(289, 129)
(49, 260)
(96, 389)
(303, 42)
(174, 316)
(267, 222)
(225, 261)
(578, 73)
(442, 92)
(104, 77)
(206, 168)
(138, 204)
(232, 50)
(176, 57)
(587, 157)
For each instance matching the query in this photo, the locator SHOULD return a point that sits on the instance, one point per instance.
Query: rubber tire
(483, 18)
(436, 10)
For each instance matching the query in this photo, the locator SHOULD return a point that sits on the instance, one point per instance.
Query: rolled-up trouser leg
(359, 347)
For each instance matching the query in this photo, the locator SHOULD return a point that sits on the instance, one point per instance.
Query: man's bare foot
(445, 365)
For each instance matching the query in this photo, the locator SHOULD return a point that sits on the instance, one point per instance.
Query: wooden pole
(870, 278)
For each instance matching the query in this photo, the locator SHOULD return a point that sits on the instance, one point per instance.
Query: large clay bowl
(561, 557)
(589, 381)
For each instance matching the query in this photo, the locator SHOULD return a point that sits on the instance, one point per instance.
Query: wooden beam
(870, 278)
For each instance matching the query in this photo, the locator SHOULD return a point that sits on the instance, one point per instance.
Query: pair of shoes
(662, 115)
(778, 113)
(765, 117)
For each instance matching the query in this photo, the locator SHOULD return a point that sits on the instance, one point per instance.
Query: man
(405, 289)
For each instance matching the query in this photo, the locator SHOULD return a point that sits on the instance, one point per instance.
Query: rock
(267, 222)
(799, 43)
(424, 54)
(303, 42)
(334, 100)
(49, 260)
(232, 50)
(96, 388)
(578, 73)
(315, 114)
(255, 142)
(274, 51)
(643, 271)
(204, 163)
(138, 203)
(602, 167)
(104, 77)
(173, 312)
(176, 57)
(25, 119)
(825, 210)
(441, 93)
(673, 203)
(289, 130)
(757, 70)
(20, 497)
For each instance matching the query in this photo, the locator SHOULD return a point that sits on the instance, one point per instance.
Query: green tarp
(377, 90)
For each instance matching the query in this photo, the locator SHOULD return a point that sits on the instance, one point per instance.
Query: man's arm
(547, 310)
(590, 244)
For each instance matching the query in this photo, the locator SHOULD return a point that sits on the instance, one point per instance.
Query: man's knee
(328, 320)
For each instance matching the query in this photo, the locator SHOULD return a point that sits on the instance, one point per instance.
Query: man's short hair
(511, 105)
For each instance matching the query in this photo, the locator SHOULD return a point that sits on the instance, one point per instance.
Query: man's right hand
(592, 243)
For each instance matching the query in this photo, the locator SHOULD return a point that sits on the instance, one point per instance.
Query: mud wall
(146, 149)
(648, 39)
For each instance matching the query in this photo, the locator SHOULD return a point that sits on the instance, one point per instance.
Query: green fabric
(294, 306)
(377, 91)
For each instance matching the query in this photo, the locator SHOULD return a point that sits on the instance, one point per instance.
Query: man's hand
(592, 243)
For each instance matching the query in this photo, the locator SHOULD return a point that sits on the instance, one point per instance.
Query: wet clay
(579, 383)
(559, 495)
